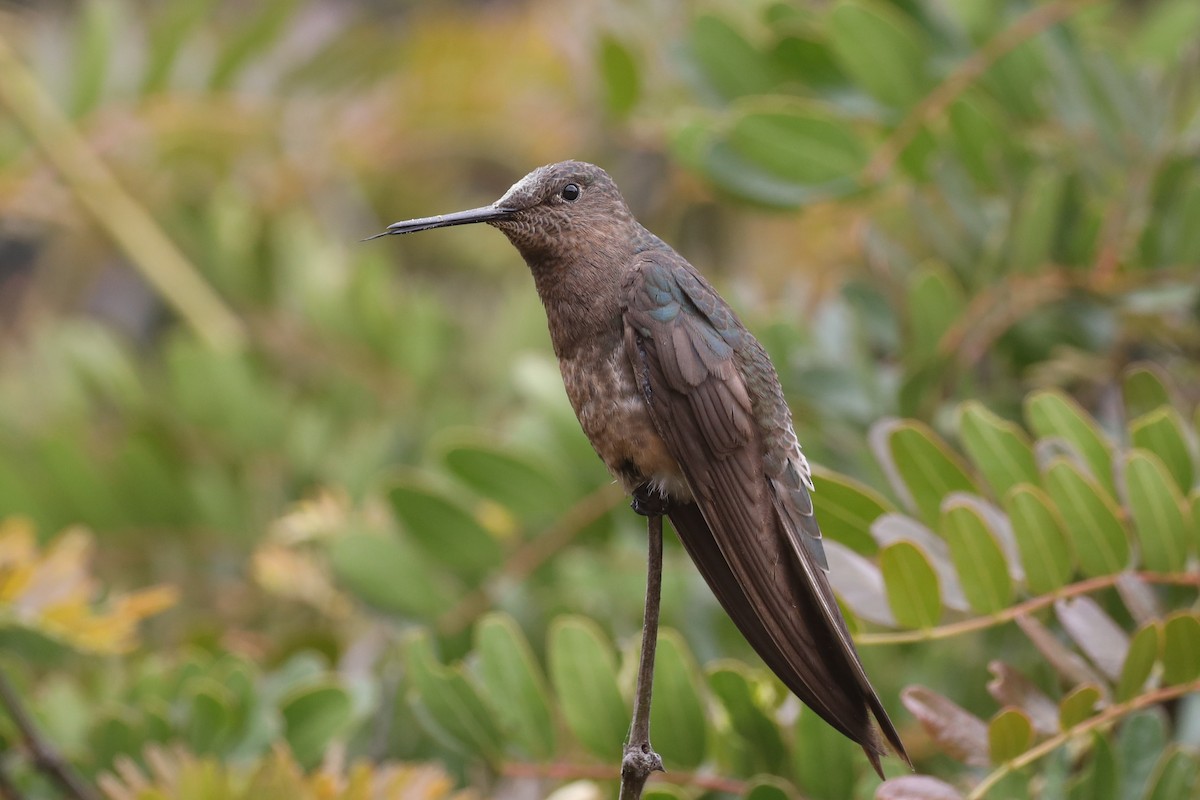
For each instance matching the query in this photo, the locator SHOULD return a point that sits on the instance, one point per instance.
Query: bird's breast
(613, 415)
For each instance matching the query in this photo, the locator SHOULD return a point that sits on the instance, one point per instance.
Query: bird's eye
(571, 192)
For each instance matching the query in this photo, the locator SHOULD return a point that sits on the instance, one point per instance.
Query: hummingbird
(685, 409)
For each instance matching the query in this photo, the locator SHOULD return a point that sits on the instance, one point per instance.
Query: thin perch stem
(44, 756)
(640, 759)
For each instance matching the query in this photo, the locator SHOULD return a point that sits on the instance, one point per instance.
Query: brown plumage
(680, 401)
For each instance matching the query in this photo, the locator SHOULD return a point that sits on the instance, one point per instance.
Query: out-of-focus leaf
(1041, 541)
(1167, 28)
(447, 705)
(798, 143)
(1091, 518)
(1037, 221)
(389, 574)
(1144, 389)
(912, 585)
(859, 584)
(312, 716)
(979, 137)
(210, 716)
(1010, 688)
(1141, 740)
(169, 31)
(444, 528)
(892, 528)
(998, 448)
(583, 671)
(1053, 414)
(981, 566)
(804, 57)
(1078, 705)
(1139, 597)
(1067, 663)
(1139, 662)
(961, 734)
(517, 483)
(1162, 432)
(1010, 733)
(1181, 648)
(678, 725)
(99, 26)
(1099, 780)
(824, 762)
(622, 85)
(934, 302)
(846, 508)
(881, 50)
(1157, 509)
(730, 683)
(769, 787)
(731, 66)
(515, 686)
(920, 465)
(257, 32)
(916, 787)
(1097, 635)
(1174, 776)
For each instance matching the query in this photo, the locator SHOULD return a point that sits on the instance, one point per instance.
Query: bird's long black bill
(485, 214)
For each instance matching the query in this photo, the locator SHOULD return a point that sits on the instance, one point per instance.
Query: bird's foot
(649, 502)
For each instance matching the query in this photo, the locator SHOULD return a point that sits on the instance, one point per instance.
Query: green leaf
(1099, 781)
(1162, 432)
(447, 705)
(979, 137)
(798, 143)
(516, 482)
(999, 448)
(1010, 733)
(1037, 220)
(769, 787)
(210, 718)
(846, 508)
(445, 529)
(1078, 705)
(762, 743)
(678, 725)
(1181, 648)
(1041, 540)
(1166, 30)
(826, 764)
(1091, 519)
(619, 71)
(1139, 661)
(920, 465)
(1051, 413)
(515, 686)
(881, 50)
(99, 24)
(730, 65)
(911, 584)
(312, 717)
(981, 566)
(1144, 389)
(934, 301)
(389, 574)
(169, 30)
(583, 671)
(256, 33)
(1157, 509)
(1175, 775)
(1140, 743)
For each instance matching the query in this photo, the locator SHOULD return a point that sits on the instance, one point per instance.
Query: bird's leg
(649, 502)
(640, 759)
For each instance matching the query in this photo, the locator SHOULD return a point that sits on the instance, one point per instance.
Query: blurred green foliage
(391, 542)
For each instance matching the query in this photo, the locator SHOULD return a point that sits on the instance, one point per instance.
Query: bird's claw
(649, 503)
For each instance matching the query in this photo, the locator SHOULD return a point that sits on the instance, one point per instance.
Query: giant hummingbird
(685, 409)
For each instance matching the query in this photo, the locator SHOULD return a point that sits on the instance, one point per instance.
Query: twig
(1054, 742)
(570, 771)
(124, 219)
(954, 84)
(8, 789)
(45, 757)
(640, 759)
(1022, 609)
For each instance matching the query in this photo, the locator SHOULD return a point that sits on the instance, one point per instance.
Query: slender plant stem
(8, 789)
(570, 771)
(117, 212)
(1110, 714)
(640, 759)
(1021, 609)
(45, 757)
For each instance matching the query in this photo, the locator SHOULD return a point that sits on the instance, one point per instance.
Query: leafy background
(289, 515)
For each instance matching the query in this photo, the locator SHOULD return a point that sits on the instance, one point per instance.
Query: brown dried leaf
(1098, 636)
(1011, 688)
(916, 787)
(957, 731)
(1071, 666)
